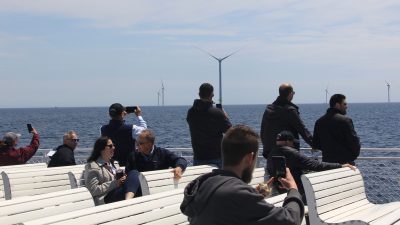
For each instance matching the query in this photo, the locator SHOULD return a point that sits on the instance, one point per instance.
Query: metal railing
(381, 173)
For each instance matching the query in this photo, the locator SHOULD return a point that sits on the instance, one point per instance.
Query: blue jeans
(131, 184)
(217, 162)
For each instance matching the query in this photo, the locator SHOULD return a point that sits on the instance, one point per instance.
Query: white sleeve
(138, 127)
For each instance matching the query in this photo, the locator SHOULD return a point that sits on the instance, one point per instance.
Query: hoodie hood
(198, 192)
(202, 105)
(280, 105)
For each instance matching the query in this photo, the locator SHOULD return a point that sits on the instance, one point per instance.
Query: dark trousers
(131, 184)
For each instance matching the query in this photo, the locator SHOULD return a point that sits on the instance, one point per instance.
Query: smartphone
(131, 109)
(29, 126)
(219, 106)
(279, 163)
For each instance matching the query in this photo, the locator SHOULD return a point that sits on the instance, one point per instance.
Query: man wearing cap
(334, 133)
(123, 135)
(64, 154)
(296, 161)
(10, 155)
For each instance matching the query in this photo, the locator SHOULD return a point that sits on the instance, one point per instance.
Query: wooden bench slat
(390, 218)
(372, 213)
(349, 209)
(338, 189)
(338, 196)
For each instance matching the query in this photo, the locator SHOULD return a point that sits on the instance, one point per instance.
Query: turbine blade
(207, 53)
(231, 54)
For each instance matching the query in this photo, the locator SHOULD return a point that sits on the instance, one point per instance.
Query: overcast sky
(94, 53)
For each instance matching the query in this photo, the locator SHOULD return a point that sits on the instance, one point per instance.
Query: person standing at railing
(123, 134)
(64, 154)
(10, 155)
(334, 133)
(207, 124)
(101, 177)
(150, 157)
(296, 162)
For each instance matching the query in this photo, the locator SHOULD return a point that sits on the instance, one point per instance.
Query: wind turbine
(220, 69)
(162, 92)
(326, 95)
(388, 90)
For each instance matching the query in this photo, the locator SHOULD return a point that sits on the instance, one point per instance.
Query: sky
(70, 53)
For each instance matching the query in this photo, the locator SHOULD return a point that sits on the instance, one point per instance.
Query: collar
(101, 162)
(334, 111)
(150, 154)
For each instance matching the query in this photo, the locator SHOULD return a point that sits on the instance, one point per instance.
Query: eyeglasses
(141, 143)
(293, 92)
(110, 145)
(74, 140)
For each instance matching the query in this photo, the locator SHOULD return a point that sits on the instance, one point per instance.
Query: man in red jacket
(10, 155)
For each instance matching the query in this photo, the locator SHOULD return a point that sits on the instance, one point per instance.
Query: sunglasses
(110, 145)
(74, 140)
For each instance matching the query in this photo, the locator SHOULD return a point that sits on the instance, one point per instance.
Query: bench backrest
(14, 168)
(134, 211)
(37, 181)
(258, 176)
(329, 191)
(35, 207)
(163, 180)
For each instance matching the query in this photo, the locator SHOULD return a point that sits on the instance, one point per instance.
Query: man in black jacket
(282, 115)
(296, 161)
(64, 154)
(334, 133)
(224, 196)
(207, 125)
(150, 157)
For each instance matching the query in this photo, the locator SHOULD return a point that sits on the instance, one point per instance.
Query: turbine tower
(326, 95)
(388, 90)
(162, 92)
(220, 70)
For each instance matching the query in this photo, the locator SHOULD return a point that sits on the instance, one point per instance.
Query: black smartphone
(130, 109)
(29, 126)
(279, 163)
(219, 106)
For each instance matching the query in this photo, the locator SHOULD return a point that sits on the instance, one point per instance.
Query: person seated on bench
(64, 154)
(100, 175)
(10, 155)
(296, 162)
(224, 196)
(149, 157)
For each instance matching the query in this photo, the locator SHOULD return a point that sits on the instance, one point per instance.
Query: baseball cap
(10, 137)
(286, 136)
(116, 109)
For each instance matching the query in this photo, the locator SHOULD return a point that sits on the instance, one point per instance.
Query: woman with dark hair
(101, 179)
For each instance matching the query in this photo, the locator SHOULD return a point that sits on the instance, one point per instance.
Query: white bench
(338, 197)
(152, 182)
(14, 168)
(258, 176)
(37, 181)
(35, 207)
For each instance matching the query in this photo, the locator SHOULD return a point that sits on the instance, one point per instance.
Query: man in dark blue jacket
(123, 135)
(150, 157)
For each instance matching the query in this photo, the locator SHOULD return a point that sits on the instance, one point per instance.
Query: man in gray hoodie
(224, 196)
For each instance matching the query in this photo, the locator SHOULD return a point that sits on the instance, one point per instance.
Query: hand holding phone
(279, 164)
(130, 109)
(29, 126)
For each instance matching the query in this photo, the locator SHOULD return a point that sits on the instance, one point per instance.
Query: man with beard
(224, 196)
(334, 133)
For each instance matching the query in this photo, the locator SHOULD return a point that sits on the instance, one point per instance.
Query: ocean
(377, 124)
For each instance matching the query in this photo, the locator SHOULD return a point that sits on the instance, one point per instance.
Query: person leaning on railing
(10, 155)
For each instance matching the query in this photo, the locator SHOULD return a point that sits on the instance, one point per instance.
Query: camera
(130, 109)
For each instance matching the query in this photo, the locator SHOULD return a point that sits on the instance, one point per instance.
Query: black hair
(284, 91)
(336, 98)
(238, 141)
(99, 146)
(206, 90)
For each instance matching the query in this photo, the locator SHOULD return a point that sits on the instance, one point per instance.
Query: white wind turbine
(388, 91)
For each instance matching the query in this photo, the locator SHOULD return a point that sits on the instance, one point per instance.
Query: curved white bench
(15, 168)
(338, 197)
(34, 207)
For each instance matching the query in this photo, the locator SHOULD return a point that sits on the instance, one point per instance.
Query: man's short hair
(115, 110)
(148, 135)
(206, 90)
(285, 90)
(69, 134)
(238, 141)
(336, 98)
